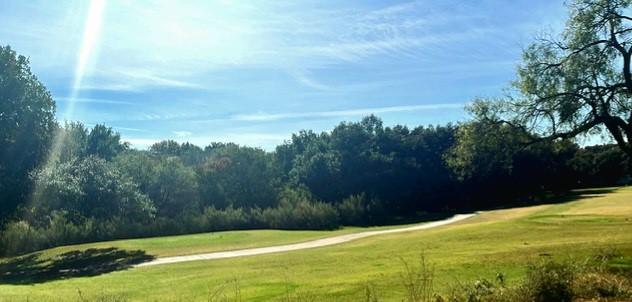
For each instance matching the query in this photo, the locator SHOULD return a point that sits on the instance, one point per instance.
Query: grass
(206, 242)
(496, 241)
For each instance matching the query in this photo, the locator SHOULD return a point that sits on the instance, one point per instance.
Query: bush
(603, 285)
(301, 214)
(353, 210)
(17, 237)
(549, 281)
(298, 210)
(361, 210)
(227, 219)
(22, 237)
(484, 290)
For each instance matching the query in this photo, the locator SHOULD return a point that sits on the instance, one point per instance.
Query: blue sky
(253, 72)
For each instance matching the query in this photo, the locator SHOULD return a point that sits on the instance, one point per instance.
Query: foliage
(22, 236)
(600, 166)
(577, 83)
(174, 188)
(191, 155)
(392, 164)
(90, 188)
(297, 210)
(238, 176)
(75, 140)
(27, 124)
(483, 149)
(549, 281)
(360, 210)
(104, 142)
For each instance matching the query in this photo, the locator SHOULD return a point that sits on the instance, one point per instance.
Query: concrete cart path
(302, 245)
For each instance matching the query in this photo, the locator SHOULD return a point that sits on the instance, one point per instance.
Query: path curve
(302, 245)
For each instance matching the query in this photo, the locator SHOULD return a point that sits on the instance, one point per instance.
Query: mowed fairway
(496, 241)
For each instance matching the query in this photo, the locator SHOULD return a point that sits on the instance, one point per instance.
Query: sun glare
(91, 33)
(89, 41)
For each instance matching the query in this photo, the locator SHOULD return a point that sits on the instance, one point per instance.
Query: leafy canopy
(27, 121)
(577, 83)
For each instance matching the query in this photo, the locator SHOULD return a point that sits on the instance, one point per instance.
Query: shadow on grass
(542, 199)
(577, 195)
(31, 268)
(550, 198)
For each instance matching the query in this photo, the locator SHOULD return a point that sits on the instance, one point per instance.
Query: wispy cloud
(129, 129)
(119, 128)
(176, 43)
(239, 66)
(254, 139)
(116, 87)
(135, 80)
(304, 78)
(148, 78)
(183, 133)
(262, 116)
(343, 113)
(141, 143)
(92, 101)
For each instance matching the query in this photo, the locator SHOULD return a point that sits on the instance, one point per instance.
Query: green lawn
(495, 241)
(207, 242)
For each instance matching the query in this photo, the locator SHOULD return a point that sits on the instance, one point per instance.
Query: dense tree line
(360, 173)
(66, 183)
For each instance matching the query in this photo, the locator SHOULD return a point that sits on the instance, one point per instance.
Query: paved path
(302, 245)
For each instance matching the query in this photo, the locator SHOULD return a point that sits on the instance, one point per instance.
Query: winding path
(302, 245)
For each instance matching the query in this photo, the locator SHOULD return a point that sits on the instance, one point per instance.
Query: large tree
(577, 83)
(27, 123)
(238, 176)
(90, 188)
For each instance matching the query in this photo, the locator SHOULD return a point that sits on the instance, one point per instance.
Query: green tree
(75, 137)
(104, 142)
(482, 149)
(165, 148)
(239, 176)
(90, 188)
(140, 166)
(578, 83)
(174, 189)
(27, 124)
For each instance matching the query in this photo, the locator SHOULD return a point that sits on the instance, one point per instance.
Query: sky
(254, 72)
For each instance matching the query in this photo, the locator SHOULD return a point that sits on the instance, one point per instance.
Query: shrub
(22, 237)
(301, 214)
(361, 210)
(484, 290)
(549, 281)
(353, 210)
(603, 285)
(226, 219)
(17, 237)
